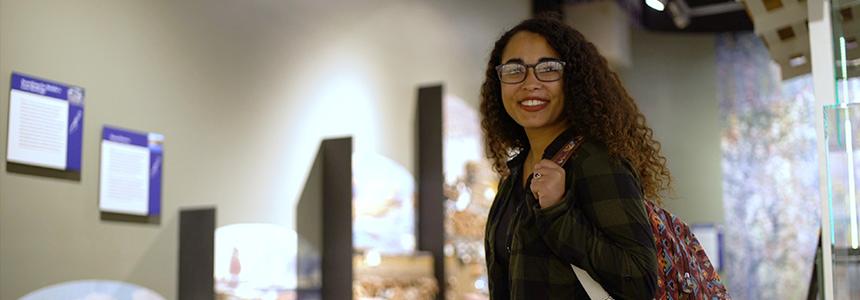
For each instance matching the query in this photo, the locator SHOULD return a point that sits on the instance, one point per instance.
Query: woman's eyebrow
(519, 60)
(543, 59)
(514, 60)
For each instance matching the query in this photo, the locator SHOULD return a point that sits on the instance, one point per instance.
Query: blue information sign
(131, 168)
(46, 123)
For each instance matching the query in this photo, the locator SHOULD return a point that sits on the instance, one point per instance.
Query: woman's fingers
(548, 183)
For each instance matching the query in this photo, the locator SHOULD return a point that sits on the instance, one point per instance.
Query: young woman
(545, 85)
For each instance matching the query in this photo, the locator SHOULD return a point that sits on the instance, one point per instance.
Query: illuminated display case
(385, 263)
(383, 205)
(469, 188)
(841, 127)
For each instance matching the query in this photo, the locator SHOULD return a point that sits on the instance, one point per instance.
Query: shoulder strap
(569, 148)
(594, 290)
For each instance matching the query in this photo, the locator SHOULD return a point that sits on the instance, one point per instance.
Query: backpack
(684, 270)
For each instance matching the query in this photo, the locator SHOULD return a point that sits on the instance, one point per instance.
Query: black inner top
(501, 244)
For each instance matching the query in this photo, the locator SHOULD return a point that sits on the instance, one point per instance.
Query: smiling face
(533, 104)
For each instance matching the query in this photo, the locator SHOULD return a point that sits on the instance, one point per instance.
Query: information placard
(130, 178)
(711, 238)
(46, 121)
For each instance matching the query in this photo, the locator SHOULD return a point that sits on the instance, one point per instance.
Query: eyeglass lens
(517, 72)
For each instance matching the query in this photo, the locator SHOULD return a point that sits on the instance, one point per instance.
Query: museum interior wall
(245, 92)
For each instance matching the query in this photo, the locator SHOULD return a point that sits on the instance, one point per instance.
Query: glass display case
(841, 129)
(386, 264)
(469, 189)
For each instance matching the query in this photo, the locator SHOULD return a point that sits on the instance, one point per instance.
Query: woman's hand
(548, 183)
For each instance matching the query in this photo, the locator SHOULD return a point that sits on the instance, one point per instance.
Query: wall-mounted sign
(46, 122)
(131, 168)
(710, 236)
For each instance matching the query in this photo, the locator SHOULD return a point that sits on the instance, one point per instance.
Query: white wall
(243, 91)
(673, 79)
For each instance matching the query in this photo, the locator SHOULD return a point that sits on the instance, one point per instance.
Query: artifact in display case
(469, 188)
(383, 205)
(394, 277)
(262, 261)
(387, 266)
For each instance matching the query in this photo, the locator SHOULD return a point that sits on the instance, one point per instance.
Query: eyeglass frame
(530, 66)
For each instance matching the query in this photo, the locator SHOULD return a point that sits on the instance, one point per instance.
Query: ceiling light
(657, 5)
(797, 61)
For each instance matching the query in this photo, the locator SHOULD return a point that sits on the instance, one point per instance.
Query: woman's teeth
(533, 102)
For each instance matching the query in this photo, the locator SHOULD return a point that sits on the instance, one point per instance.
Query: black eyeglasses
(546, 71)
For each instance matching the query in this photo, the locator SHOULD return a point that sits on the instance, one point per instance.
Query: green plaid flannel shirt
(600, 226)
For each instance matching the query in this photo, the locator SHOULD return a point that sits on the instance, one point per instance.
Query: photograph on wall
(131, 172)
(46, 121)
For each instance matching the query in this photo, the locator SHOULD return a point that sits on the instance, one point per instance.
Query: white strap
(594, 290)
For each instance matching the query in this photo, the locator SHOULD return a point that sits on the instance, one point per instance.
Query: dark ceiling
(725, 22)
(651, 19)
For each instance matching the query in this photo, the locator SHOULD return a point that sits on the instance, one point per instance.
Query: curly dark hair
(596, 104)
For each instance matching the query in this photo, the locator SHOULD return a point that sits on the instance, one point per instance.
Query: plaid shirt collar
(516, 163)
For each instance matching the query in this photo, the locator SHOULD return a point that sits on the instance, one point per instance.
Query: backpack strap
(593, 288)
(567, 151)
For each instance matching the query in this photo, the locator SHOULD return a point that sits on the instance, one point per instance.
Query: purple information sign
(46, 123)
(131, 168)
